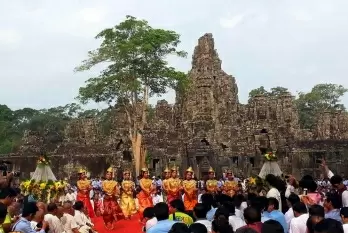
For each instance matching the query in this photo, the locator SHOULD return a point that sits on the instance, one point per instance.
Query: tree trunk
(136, 145)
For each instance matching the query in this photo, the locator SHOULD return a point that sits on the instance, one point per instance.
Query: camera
(4, 169)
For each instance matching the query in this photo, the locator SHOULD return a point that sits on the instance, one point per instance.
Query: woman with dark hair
(220, 223)
(277, 186)
(147, 188)
(310, 195)
(179, 228)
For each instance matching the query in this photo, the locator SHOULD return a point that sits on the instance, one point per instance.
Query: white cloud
(232, 22)
(9, 37)
(92, 15)
(302, 15)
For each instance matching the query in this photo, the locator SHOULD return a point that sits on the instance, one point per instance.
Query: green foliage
(274, 91)
(322, 97)
(136, 56)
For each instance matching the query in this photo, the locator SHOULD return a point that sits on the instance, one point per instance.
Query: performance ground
(122, 226)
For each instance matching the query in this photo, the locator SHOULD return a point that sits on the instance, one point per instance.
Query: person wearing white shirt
(337, 183)
(274, 192)
(344, 216)
(235, 221)
(81, 219)
(55, 226)
(70, 196)
(68, 220)
(299, 223)
(291, 200)
(200, 213)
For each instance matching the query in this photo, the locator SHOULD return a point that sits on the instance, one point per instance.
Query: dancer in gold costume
(212, 184)
(127, 201)
(230, 186)
(165, 183)
(174, 186)
(147, 188)
(112, 211)
(84, 186)
(190, 189)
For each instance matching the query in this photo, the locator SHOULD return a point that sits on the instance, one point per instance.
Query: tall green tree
(322, 97)
(135, 55)
(273, 92)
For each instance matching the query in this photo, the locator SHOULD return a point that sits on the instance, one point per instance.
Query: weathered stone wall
(207, 126)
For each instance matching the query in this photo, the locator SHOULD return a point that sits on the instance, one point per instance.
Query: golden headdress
(174, 168)
(229, 171)
(81, 171)
(189, 170)
(166, 170)
(211, 170)
(110, 169)
(144, 169)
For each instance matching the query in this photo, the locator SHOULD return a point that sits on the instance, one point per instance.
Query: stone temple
(207, 126)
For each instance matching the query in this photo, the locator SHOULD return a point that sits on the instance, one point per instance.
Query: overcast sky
(290, 43)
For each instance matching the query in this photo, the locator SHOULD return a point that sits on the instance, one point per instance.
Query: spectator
(299, 223)
(198, 228)
(3, 214)
(55, 226)
(7, 196)
(260, 203)
(272, 226)
(150, 218)
(179, 227)
(23, 224)
(208, 201)
(337, 183)
(68, 221)
(252, 218)
(275, 214)
(316, 214)
(220, 223)
(179, 214)
(200, 213)
(163, 225)
(328, 226)
(235, 221)
(291, 200)
(332, 204)
(344, 216)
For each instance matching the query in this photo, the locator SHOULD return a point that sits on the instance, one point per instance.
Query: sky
(290, 43)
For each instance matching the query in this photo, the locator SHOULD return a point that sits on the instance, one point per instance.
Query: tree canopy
(273, 92)
(137, 68)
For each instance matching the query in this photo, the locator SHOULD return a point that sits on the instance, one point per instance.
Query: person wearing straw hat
(165, 183)
(212, 184)
(112, 211)
(84, 187)
(174, 186)
(127, 202)
(145, 194)
(190, 189)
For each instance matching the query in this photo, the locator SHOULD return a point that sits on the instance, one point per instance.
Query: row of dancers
(119, 202)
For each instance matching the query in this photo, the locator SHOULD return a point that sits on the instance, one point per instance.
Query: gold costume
(190, 190)
(230, 187)
(212, 186)
(127, 201)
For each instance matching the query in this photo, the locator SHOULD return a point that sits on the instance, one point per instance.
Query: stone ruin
(207, 126)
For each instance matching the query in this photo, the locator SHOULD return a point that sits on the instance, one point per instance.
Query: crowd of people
(187, 205)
